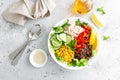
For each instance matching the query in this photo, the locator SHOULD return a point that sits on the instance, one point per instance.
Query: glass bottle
(82, 6)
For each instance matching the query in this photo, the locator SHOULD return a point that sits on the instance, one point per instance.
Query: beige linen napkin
(20, 11)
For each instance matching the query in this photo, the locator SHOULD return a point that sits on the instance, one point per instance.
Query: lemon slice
(92, 37)
(94, 40)
(98, 19)
(96, 43)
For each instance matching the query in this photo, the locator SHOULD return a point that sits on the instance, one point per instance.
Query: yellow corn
(66, 53)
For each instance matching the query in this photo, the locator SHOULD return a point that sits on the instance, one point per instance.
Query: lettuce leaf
(76, 62)
(72, 45)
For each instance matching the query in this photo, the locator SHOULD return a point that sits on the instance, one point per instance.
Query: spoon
(32, 35)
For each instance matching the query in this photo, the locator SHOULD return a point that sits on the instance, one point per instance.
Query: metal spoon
(32, 35)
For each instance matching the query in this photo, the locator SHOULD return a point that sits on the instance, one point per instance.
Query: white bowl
(34, 63)
(64, 65)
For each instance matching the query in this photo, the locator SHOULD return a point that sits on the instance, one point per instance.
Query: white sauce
(39, 57)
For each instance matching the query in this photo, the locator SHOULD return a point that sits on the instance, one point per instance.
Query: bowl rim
(62, 64)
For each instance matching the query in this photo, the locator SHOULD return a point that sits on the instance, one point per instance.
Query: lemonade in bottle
(82, 6)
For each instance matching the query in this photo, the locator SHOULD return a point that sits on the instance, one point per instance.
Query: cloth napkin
(20, 11)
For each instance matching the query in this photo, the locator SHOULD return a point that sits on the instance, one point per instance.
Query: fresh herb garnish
(66, 24)
(100, 9)
(78, 22)
(106, 37)
(84, 23)
(59, 29)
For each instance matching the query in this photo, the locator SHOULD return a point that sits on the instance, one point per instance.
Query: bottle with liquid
(82, 6)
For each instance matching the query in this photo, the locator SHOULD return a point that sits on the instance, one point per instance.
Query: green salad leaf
(72, 45)
(66, 24)
(59, 58)
(73, 63)
(76, 62)
(84, 23)
(78, 22)
(58, 29)
(82, 62)
(94, 52)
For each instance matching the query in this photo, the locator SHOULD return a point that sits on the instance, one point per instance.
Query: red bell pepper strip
(83, 38)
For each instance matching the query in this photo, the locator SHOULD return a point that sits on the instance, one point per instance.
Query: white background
(106, 66)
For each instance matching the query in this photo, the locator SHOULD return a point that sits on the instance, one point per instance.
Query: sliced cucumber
(55, 48)
(68, 39)
(58, 29)
(56, 43)
(58, 37)
(53, 37)
(63, 36)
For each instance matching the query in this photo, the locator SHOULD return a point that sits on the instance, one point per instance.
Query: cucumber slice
(53, 37)
(56, 43)
(63, 36)
(55, 48)
(68, 39)
(58, 29)
(58, 37)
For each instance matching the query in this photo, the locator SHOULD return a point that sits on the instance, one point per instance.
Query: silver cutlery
(32, 35)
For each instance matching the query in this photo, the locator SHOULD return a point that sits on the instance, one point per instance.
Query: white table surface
(106, 66)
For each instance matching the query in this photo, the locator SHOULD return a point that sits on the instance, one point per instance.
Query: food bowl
(53, 51)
